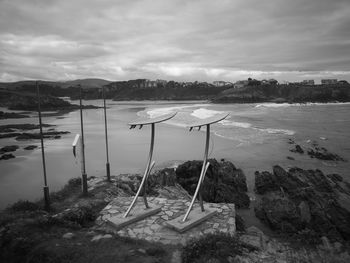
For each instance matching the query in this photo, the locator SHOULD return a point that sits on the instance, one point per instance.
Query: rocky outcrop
(297, 200)
(223, 182)
(12, 115)
(9, 148)
(7, 156)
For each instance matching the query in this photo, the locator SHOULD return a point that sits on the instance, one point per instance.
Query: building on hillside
(161, 82)
(329, 81)
(221, 83)
(146, 83)
(310, 82)
(240, 84)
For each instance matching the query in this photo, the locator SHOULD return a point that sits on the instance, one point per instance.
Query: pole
(45, 188)
(84, 176)
(108, 170)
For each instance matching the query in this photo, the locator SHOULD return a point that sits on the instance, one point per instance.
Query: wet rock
(7, 156)
(10, 148)
(12, 115)
(30, 147)
(304, 199)
(223, 182)
(297, 149)
(323, 154)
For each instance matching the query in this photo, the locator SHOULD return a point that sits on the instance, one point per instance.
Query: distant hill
(86, 83)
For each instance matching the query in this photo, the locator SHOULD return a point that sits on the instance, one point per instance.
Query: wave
(236, 124)
(205, 113)
(153, 113)
(283, 105)
(277, 131)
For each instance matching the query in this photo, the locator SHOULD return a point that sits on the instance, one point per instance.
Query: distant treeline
(292, 93)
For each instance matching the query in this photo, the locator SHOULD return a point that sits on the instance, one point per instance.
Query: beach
(254, 137)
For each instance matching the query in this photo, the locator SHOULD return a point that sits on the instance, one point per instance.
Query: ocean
(254, 137)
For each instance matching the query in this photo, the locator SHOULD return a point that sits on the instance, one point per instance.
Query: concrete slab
(196, 217)
(138, 213)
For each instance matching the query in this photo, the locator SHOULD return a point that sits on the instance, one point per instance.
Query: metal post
(201, 177)
(45, 188)
(108, 170)
(147, 172)
(84, 176)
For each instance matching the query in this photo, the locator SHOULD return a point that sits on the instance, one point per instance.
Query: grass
(216, 247)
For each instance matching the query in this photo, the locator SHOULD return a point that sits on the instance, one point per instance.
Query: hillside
(293, 93)
(135, 90)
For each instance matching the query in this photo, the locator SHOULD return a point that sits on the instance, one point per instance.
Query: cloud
(183, 40)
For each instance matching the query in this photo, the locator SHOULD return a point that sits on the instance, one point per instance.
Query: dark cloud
(201, 39)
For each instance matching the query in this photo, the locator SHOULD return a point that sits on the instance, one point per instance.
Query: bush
(217, 246)
(23, 205)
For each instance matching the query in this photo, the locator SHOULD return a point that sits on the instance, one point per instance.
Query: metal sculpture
(206, 122)
(143, 186)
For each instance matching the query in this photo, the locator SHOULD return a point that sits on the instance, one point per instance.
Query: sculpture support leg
(201, 177)
(145, 176)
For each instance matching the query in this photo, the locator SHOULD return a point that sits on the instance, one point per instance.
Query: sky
(182, 40)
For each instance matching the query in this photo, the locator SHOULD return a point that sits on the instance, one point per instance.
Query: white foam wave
(283, 105)
(203, 113)
(153, 113)
(277, 131)
(236, 124)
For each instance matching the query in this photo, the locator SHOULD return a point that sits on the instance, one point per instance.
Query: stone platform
(154, 228)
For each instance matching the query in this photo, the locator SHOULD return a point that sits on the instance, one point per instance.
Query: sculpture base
(195, 217)
(138, 213)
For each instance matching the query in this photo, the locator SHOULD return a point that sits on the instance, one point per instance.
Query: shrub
(218, 246)
(23, 205)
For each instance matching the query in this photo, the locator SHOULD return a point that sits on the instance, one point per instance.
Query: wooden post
(45, 188)
(84, 175)
(108, 170)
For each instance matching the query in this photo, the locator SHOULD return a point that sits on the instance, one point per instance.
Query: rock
(323, 154)
(99, 237)
(165, 177)
(68, 235)
(290, 158)
(304, 199)
(223, 182)
(305, 215)
(7, 156)
(30, 147)
(297, 149)
(12, 115)
(10, 148)
(142, 251)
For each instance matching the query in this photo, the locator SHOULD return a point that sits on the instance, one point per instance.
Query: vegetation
(30, 234)
(217, 246)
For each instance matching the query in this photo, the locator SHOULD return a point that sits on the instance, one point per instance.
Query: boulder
(304, 199)
(9, 148)
(164, 177)
(297, 149)
(7, 156)
(223, 182)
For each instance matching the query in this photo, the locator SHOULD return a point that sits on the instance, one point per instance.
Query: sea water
(254, 137)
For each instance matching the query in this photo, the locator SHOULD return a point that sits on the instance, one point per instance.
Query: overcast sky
(181, 40)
